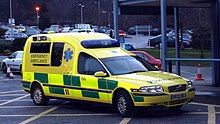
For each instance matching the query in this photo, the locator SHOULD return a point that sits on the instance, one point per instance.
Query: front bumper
(163, 99)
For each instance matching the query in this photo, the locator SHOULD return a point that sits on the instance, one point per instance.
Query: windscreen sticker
(68, 55)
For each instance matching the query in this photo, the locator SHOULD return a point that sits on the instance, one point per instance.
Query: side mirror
(100, 74)
(9, 57)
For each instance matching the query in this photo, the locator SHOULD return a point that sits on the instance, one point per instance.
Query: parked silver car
(14, 61)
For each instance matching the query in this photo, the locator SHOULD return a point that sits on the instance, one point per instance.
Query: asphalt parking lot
(17, 107)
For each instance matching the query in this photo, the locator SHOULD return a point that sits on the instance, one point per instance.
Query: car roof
(98, 52)
(79, 36)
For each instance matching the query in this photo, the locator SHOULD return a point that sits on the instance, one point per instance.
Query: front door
(92, 87)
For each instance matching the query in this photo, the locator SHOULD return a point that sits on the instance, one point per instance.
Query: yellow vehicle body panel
(64, 81)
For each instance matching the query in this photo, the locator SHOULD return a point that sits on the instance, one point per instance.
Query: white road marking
(125, 121)
(14, 91)
(59, 115)
(39, 115)
(10, 101)
(10, 80)
(188, 72)
(204, 104)
(12, 95)
(211, 114)
(99, 114)
(16, 115)
(22, 100)
(14, 106)
(73, 115)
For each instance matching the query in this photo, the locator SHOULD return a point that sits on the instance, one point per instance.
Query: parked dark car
(155, 42)
(141, 29)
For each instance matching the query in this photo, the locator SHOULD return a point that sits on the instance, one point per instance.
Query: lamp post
(37, 10)
(81, 11)
(109, 17)
(99, 9)
(11, 20)
(10, 9)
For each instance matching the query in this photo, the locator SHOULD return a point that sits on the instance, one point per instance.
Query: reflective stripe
(74, 86)
(41, 77)
(90, 94)
(102, 83)
(112, 84)
(138, 98)
(56, 90)
(67, 80)
(26, 84)
(76, 81)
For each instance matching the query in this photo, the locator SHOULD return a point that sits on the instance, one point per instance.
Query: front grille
(177, 88)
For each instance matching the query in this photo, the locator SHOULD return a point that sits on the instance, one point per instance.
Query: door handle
(13, 60)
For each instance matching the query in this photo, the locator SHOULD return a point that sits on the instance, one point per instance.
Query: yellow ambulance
(93, 67)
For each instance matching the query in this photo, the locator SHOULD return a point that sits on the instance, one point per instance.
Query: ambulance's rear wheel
(124, 104)
(38, 96)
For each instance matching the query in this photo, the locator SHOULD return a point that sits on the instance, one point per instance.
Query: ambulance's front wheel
(38, 96)
(124, 104)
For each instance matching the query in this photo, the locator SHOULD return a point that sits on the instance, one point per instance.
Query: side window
(57, 54)
(19, 55)
(12, 56)
(88, 64)
(40, 48)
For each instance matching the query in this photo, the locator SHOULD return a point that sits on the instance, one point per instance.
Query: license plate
(178, 96)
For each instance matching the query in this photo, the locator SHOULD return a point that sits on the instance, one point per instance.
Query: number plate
(178, 96)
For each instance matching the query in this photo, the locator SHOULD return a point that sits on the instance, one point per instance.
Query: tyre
(20, 68)
(4, 68)
(124, 104)
(38, 96)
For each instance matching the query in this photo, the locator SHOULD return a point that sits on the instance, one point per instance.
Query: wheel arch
(35, 83)
(118, 90)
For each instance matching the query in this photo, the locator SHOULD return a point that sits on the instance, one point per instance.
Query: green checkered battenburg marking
(67, 80)
(41, 77)
(90, 94)
(112, 84)
(25, 85)
(76, 81)
(56, 90)
(102, 83)
(138, 98)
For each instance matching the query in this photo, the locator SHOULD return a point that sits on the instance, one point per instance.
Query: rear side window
(40, 48)
(57, 54)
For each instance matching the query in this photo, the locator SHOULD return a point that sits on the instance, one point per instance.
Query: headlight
(190, 84)
(151, 89)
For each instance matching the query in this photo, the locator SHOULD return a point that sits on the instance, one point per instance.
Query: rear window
(40, 48)
(100, 43)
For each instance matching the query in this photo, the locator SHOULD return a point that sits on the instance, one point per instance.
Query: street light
(37, 9)
(99, 9)
(11, 20)
(109, 17)
(10, 9)
(81, 11)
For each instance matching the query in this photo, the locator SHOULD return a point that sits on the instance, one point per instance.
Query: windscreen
(123, 65)
(100, 43)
